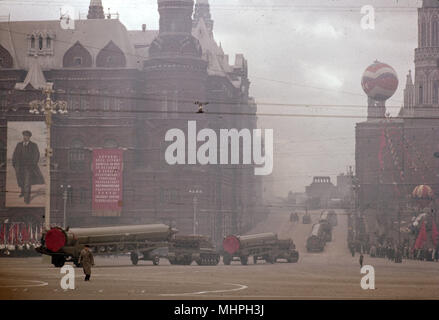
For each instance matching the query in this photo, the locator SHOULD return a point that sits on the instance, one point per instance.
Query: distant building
(320, 191)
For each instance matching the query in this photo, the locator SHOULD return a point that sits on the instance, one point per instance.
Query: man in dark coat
(87, 261)
(25, 162)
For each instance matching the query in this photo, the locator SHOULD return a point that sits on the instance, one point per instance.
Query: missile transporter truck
(66, 245)
(317, 240)
(263, 246)
(185, 249)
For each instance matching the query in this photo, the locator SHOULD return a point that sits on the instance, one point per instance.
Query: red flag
(382, 146)
(422, 237)
(2, 234)
(11, 234)
(434, 233)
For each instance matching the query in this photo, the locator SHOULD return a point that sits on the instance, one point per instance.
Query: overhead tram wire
(225, 7)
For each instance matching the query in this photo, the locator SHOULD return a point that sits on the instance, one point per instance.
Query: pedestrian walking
(361, 260)
(87, 260)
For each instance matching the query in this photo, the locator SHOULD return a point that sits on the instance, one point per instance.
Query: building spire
(95, 10)
(409, 92)
(202, 11)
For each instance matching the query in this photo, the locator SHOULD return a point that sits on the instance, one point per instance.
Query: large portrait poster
(26, 169)
(107, 182)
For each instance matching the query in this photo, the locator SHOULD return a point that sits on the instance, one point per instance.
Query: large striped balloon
(379, 81)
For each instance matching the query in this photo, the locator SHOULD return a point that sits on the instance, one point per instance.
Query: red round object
(55, 239)
(231, 244)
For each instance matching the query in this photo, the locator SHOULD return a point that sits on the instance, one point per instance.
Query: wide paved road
(333, 274)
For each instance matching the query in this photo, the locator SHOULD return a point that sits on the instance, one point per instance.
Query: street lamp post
(48, 107)
(65, 197)
(195, 192)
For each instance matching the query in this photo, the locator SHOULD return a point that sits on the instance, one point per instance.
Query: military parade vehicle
(263, 246)
(66, 245)
(184, 249)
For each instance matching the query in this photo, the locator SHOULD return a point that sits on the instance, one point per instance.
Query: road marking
(240, 287)
(37, 284)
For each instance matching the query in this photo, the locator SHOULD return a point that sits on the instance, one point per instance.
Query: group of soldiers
(395, 253)
(23, 250)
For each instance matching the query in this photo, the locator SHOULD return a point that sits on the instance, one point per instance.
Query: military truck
(66, 245)
(263, 246)
(317, 240)
(185, 249)
(306, 219)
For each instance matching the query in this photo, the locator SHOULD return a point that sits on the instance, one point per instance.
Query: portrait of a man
(25, 162)
(25, 175)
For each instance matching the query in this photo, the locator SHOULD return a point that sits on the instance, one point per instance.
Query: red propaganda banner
(107, 182)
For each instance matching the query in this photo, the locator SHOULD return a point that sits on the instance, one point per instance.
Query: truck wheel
(134, 258)
(227, 259)
(156, 260)
(244, 260)
(58, 261)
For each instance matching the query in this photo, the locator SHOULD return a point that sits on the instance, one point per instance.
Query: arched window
(48, 42)
(32, 42)
(5, 58)
(421, 94)
(111, 57)
(2, 155)
(77, 57)
(77, 156)
(40, 42)
(435, 91)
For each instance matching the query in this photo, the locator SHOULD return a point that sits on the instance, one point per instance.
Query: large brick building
(125, 89)
(394, 155)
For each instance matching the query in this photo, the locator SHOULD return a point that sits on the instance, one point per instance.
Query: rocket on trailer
(66, 245)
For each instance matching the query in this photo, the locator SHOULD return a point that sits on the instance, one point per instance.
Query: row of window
(81, 102)
(435, 93)
(41, 44)
(429, 34)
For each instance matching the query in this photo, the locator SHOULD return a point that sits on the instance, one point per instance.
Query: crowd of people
(393, 252)
(19, 250)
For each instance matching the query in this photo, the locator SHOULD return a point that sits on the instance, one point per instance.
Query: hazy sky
(306, 57)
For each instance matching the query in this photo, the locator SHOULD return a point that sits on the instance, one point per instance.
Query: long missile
(56, 238)
(233, 243)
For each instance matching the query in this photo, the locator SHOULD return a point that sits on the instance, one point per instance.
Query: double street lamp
(196, 193)
(48, 107)
(66, 189)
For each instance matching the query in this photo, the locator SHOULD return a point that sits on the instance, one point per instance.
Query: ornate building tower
(427, 56)
(409, 92)
(202, 11)
(175, 63)
(95, 10)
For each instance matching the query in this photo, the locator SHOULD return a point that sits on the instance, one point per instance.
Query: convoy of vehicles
(150, 242)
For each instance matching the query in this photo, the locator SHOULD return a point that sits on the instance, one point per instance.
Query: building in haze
(125, 89)
(394, 155)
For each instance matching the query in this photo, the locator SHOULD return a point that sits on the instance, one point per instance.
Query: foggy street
(332, 274)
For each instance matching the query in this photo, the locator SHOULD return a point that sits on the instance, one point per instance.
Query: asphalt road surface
(332, 274)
